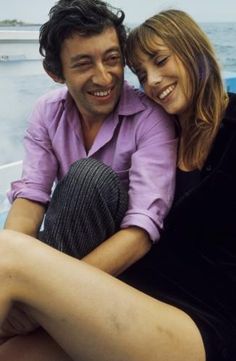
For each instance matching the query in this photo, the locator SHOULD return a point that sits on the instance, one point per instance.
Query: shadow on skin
(37, 346)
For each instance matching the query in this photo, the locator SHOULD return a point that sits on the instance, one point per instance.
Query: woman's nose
(153, 78)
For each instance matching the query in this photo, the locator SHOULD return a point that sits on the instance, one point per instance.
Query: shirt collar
(130, 101)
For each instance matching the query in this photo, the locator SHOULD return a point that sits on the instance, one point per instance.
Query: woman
(194, 264)
(190, 274)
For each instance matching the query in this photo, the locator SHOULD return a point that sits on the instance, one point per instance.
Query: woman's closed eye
(161, 60)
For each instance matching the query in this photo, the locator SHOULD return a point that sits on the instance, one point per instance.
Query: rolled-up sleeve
(40, 164)
(152, 174)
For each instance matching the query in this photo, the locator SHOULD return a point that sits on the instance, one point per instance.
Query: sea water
(22, 82)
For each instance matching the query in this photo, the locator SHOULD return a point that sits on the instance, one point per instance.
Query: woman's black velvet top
(193, 266)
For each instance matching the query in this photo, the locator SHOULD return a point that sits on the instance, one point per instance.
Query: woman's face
(165, 79)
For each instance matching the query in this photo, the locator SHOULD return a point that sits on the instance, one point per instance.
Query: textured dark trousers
(87, 207)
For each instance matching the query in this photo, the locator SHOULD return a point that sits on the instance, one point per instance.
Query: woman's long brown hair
(189, 43)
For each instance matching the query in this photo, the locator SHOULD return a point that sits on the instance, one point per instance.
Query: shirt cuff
(36, 195)
(144, 222)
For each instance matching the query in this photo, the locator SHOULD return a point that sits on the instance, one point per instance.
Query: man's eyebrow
(79, 57)
(116, 48)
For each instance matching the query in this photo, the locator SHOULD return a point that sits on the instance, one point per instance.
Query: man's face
(93, 71)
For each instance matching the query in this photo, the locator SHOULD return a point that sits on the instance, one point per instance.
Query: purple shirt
(137, 140)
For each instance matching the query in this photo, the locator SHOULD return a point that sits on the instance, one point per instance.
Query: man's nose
(102, 76)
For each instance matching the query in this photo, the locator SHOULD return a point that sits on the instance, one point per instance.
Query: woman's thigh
(90, 314)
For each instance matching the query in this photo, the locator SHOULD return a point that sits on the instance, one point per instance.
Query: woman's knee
(12, 245)
(8, 248)
(13, 255)
(8, 272)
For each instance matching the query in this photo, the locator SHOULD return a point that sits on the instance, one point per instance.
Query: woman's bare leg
(37, 346)
(90, 314)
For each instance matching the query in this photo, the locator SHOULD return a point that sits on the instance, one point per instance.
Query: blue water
(22, 82)
(2, 219)
(223, 37)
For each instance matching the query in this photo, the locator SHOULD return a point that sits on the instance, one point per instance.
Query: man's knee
(91, 171)
(89, 179)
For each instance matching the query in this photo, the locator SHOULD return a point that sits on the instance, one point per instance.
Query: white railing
(19, 36)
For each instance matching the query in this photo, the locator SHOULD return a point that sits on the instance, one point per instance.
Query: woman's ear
(55, 77)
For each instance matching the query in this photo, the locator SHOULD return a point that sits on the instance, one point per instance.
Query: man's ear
(55, 77)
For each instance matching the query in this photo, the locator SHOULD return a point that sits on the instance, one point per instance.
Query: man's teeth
(102, 93)
(166, 92)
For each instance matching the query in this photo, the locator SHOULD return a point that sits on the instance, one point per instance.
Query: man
(112, 128)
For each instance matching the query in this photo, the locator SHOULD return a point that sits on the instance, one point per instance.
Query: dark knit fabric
(87, 207)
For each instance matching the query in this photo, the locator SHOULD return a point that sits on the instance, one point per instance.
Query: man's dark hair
(84, 17)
